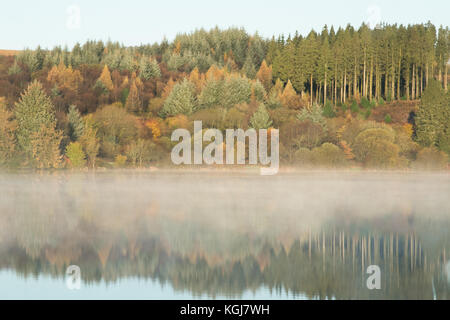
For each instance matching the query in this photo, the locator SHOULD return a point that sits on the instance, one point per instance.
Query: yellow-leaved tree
(105, 79)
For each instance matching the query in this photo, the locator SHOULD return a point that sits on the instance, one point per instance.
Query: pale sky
(28, 23)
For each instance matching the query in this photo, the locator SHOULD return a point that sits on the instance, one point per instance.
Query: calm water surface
(173, 235)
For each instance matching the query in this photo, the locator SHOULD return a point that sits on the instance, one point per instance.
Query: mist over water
(227, 233)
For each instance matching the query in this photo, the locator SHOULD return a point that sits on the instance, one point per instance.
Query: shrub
(375, 147)
(389, 97)
(303, 157)
(365, 103)
(328, 110)
(116, 128)
(328, 155)
(140, 152)
(431, 159)
(120, 161)
(388, 118)
(315, 115)
(354, 107)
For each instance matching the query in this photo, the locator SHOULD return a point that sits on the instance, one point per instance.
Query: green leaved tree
(33, 111)
(261, 118)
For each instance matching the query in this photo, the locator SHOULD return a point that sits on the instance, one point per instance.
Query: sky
(29, 23)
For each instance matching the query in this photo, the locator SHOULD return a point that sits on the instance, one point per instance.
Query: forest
(346, 98)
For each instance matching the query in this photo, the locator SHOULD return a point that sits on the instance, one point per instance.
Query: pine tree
(76, 123)
(33, 111)
(181, 100)
(432, 116)
(149, 69)
(14, 69)
(261, 118)
(249, 68)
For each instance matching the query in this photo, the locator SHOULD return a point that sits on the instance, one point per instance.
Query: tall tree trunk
(318, 88)
(371, 79)
(377, 82)
(311, 89)
(399, 74)
(393, 85)
(386, 85)
(446, 77)
(345, 84)
(364, 76)
(355, 81)
(413, 89)
(407, 84)
(417, 82)
(421, 81)
(325, 90)
(335, 90)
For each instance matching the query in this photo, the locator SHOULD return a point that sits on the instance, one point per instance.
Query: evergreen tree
(181, 100)
(149, 69)
(249, 68)
(33, 111)
(76, 123)
(261, 118)
(432, 117)
(14, 69)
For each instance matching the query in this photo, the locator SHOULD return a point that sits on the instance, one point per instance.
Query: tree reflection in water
(222, 234)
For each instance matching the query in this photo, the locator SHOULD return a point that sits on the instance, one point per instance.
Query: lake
(225, 235)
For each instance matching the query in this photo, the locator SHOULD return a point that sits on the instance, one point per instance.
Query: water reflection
(307, 235)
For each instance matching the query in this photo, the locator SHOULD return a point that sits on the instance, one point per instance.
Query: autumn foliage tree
(8, 127)
(264, 75)
(289, 97)
(105, 80)
(134, 101)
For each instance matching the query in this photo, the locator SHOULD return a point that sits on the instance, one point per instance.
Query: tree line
(345, 98)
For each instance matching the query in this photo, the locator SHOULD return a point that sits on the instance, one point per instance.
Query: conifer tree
(264, 75)
(261, 118)
(149, 69)
(432, 122)
(76, 123)
(105, 79)
(33, 111)
(134, 102)
(289, 97)
(181, 100)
